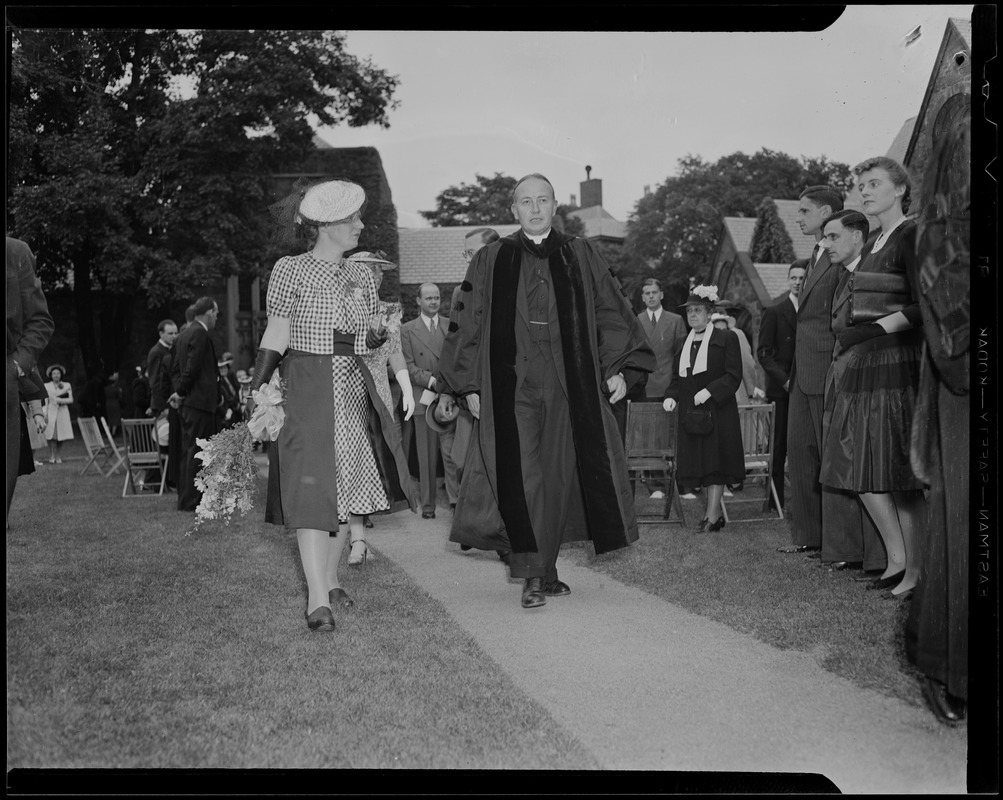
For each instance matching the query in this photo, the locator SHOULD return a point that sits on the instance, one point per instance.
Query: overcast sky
(631, 104)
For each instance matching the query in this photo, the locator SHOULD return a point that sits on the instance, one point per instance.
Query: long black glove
(264, 367)
(859, 333)
(374, 339)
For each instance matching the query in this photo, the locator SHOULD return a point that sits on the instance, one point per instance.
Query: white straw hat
(331, 201)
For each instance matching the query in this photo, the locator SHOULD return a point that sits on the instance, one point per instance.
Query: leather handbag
(874, 295)
(698, 421)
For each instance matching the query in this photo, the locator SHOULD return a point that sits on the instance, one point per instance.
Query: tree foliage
(675, 230)
(771, 243)
(488, 201)
(140, 161)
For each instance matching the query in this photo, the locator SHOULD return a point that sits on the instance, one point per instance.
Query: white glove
(701, 397)
(669, 404)
(408, 394)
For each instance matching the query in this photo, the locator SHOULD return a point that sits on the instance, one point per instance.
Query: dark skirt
(302, 483)
(868, 416)
(717, 458)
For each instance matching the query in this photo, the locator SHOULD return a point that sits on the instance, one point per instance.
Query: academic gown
(594, 335)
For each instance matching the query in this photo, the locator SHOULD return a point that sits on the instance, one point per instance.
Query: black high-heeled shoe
(340, 596)
(716, 525)
(320, 620)
(886, 583)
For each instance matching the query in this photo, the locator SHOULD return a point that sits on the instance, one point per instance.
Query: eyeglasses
(468, 254)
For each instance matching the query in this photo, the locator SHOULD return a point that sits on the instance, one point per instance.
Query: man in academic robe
(542, 342)
(29, 328)
(777, 333)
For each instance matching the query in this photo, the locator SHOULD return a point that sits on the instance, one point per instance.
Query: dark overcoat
(716, 458)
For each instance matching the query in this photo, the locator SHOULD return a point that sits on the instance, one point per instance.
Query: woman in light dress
(58, 427)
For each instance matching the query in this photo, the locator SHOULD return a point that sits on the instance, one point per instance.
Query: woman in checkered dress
(338, 456)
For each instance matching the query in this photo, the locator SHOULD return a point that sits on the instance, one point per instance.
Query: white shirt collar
(200, 322)
(794, 301)
(166, 346)
(537, 239)
(428, 321)
(657, 312)
(852, 265)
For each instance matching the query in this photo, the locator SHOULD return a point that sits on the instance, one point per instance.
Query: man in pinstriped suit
(823, 520)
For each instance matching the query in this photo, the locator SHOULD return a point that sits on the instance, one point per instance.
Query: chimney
(647, 190)
(574, 201)
(591, 189)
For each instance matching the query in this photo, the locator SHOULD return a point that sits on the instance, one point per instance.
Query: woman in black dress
(868, 416)
(707, 373)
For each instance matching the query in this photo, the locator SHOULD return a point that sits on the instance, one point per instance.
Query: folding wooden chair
(100, 453)
(142, 454)
(756, 421)
(651, 447)
(117, 454)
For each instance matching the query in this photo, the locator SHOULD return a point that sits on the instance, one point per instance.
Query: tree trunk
(83, 302)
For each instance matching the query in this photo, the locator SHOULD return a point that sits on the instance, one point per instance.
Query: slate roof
(435, 254)
(741, 230)
(599, 222)
(774, 278)
(901, 144)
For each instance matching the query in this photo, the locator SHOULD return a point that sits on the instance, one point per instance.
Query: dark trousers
(195, 424)
(548, 459)
(428, 443)
(13, 432)
(823, 517)
(175, 453)
(780, 444)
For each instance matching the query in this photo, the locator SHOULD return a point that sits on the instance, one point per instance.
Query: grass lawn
(735, 576)
(130, 645)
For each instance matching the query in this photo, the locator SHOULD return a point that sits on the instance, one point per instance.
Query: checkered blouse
(321, 297)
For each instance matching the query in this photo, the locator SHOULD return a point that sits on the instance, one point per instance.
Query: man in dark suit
(29, 328)
(196, 395)
(421, 342)
(776, 354)
(666, 333)
(817, 515)
(158, 363)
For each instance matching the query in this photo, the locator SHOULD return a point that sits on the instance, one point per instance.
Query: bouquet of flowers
(227, 477)
(229, 472)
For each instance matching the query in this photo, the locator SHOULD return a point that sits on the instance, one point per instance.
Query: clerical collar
(852, 265)
(537, 239)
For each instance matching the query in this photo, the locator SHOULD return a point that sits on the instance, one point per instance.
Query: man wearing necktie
(421, 342)
(542, 343)
(196, 397)
(824, 519)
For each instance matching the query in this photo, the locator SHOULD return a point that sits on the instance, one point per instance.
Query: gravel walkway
(646, 685)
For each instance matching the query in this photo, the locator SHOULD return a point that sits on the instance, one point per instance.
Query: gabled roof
(774, 278)
(963, 29)
(741, 230)
(600, 223)
(901, 144)
(435, 254)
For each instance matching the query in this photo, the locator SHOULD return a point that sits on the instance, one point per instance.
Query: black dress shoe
(533, 595)
(946, 707)
(340, 596)
(505, 556)
(890, 595)
(556, 588)
(839, 566)
(428, 515)
(886, 583)
(320, 620)
(716, 525)
(798, 548)
(465, 547)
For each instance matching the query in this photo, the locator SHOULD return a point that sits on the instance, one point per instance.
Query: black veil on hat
(317, 201)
